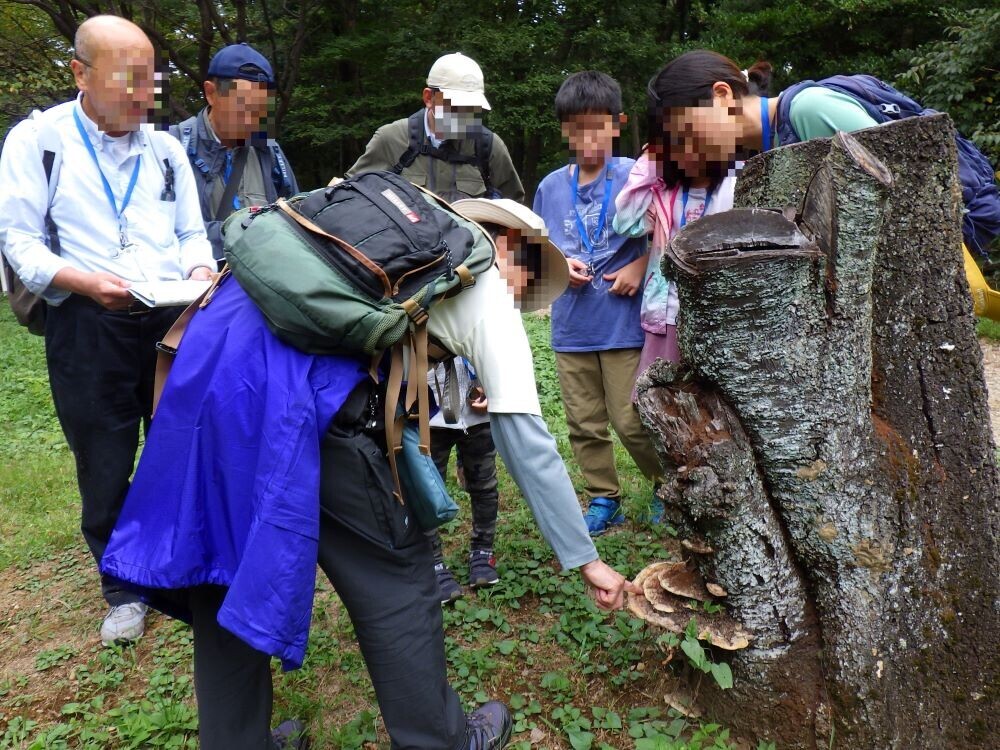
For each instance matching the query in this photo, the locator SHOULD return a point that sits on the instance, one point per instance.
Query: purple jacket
(227, 489)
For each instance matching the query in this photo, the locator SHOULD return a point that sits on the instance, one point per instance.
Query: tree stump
(828, 439)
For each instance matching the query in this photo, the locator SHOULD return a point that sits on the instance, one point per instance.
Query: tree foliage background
(347, 66)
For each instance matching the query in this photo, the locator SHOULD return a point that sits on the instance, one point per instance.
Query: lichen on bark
(853, 441)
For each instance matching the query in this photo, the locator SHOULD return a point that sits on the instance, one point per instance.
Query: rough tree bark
(831, 444)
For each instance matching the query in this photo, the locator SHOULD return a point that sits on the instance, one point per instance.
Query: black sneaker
(482, 568)
(448, 587)
(488, 727)
(290, 735)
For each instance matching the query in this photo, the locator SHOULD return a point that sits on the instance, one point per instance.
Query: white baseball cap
(460, 79)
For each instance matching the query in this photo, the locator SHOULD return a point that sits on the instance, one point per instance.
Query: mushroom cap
(719, 628)
(716, 590)
(678, 579)
(698, 546)
(657, 596)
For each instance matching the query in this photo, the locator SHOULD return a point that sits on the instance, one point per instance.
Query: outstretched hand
(609, 586)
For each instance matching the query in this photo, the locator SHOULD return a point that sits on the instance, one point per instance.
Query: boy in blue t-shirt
(595, 325)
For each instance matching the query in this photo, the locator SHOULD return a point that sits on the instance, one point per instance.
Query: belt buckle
(138, 308)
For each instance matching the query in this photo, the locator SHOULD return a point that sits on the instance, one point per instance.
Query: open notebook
(168, 293)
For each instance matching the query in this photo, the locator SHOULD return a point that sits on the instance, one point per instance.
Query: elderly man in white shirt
(115, 205)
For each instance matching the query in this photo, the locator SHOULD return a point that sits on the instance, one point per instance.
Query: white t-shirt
(483, 325)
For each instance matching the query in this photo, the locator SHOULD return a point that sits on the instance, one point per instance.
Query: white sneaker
(123, 623)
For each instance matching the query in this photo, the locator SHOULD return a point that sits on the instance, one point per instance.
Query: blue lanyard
(765, 124)
(586, 239)
(107, 186)
(684, 204)
(228, 174)
(469, 369)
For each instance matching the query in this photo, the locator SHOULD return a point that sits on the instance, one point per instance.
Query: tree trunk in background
(833, 448)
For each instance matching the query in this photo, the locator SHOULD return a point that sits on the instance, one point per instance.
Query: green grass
(37, 480)
(575, 677)
(989, 329)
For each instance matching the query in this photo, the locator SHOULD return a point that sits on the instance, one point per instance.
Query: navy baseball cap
(241, 61)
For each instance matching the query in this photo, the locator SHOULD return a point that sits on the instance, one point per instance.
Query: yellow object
(985, 301)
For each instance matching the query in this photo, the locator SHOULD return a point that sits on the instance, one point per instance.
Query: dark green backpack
(356, 268)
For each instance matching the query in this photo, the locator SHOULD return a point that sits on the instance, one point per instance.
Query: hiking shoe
(488, 727)
(482, 568)
(654, 514)
(602, 514)
(290, 735)
(448, 587)
(656, 510)
(123, 623)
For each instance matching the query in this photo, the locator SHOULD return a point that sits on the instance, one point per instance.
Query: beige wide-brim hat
(554, 278)
(460, 79)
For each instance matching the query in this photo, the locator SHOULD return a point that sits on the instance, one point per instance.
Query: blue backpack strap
(190, 145)
(279, 172)
(881, 101)
(786, 131)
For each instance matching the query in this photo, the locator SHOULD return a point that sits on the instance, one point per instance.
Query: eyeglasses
(132, 80)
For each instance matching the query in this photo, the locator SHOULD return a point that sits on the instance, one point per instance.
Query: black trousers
(478, 457)
(380, 564)
(101, 366)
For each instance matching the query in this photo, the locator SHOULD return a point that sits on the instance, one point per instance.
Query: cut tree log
(828, 437)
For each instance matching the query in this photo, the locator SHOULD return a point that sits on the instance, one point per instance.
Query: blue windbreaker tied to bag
(226, 491)
(981, 222)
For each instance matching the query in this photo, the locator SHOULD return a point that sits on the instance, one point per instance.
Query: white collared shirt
(167, 238)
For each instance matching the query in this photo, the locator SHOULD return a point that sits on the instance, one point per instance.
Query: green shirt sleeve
(817, 112)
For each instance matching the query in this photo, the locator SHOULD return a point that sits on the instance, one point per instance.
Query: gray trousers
(381, 566)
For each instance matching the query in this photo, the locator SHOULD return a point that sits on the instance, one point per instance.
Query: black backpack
(356, 268)
(420, 146)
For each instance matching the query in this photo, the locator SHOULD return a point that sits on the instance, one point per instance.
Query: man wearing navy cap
(235, 163)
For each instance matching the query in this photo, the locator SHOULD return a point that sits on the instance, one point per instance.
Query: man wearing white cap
(444, 147)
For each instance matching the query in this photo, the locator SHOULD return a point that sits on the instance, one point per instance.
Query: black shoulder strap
(48, 160)
(484, 150)
(416, 147)
(225, 206)
(415, 130)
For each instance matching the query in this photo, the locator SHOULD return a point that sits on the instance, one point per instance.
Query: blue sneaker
(602, 514)
(290, 735)
(656, 509)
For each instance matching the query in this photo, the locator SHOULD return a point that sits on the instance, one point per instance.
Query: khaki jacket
(450, 181)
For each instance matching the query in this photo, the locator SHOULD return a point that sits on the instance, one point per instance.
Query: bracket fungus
(671, 599)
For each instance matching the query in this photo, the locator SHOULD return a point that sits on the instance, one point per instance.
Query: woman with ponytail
(706, 115)
(673, 183)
